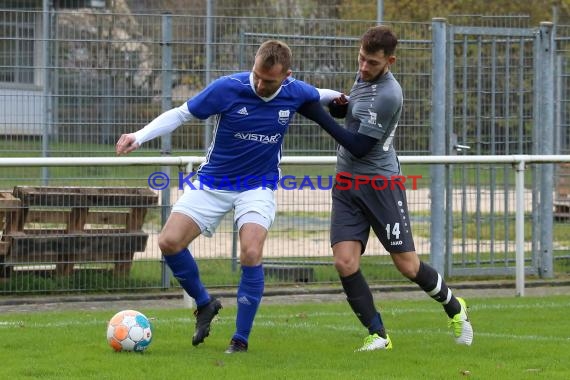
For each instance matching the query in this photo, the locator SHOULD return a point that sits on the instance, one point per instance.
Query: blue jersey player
(253, 111)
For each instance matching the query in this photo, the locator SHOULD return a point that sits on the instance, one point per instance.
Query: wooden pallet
(67, 226)
(562, 192)
(10, 207)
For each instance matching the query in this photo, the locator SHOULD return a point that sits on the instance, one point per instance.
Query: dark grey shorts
(354, 211)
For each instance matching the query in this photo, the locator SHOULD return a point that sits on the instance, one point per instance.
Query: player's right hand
(126, 144)
(338, 107)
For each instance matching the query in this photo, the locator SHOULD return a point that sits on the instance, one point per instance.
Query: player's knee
(169, 246)
(345, 265)
(407, 263)
(250, 256)
(408, 271)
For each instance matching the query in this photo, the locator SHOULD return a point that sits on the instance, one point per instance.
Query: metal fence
(71, 81)
(77, 80)
(61, 239)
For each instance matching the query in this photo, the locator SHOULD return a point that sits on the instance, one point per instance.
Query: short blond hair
(274, 52)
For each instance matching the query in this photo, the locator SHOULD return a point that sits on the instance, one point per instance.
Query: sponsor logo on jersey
(243, 111)
(264, 139)
(372, 119)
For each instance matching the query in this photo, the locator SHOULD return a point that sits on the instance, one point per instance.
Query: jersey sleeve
(328, 95)
(376, 120)
(211, 100)
(309, 93)
(163, 124)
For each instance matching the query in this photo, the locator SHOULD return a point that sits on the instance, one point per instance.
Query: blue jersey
(249, 130)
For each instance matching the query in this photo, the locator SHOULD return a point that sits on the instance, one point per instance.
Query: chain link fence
(73, 80)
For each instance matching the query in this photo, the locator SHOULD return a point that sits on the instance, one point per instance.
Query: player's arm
(357, 143)
(382, 110)
(161, 125)
(337, 102)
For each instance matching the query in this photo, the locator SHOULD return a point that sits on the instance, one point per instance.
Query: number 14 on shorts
(393, 234)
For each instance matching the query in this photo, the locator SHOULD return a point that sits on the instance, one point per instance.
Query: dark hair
(274, 52)
(379, 38)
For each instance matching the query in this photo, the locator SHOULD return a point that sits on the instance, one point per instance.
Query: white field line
(305, 324)
(299, 315)
(311, 321)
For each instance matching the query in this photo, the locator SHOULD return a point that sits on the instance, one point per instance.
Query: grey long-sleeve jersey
(374, 110)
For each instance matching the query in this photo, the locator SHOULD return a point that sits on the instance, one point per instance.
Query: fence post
(47, 111)
(438, 142)
(208, 65)
(166, 140)
(519, 228)
(546, 124)
(450, 148)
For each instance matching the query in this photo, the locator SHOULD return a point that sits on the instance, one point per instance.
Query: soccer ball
(129, 330)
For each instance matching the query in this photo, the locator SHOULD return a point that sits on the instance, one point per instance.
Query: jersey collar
(265, 99)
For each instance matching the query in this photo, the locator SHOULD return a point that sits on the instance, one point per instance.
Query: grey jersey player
(361, 199)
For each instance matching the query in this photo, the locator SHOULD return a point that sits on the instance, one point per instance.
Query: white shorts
(207, 207)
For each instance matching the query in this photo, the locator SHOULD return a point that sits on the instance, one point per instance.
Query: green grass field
(515, 338)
